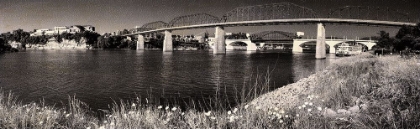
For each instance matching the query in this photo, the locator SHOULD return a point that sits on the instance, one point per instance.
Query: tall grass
(355, 92)
(16, 115)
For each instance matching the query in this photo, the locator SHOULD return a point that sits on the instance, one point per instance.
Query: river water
(100, 77)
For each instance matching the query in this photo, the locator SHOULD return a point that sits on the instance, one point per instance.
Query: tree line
(92, 39)
(407, 38)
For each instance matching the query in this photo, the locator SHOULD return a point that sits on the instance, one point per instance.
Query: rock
(343, 112)
(329, 113)
(354, 109)
(363, 106)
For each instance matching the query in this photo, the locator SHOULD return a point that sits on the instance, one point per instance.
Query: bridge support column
(219, 44)
(320, 42)
(167, 42)
(140, 42)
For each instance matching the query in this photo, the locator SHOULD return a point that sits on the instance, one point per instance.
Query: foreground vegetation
(355, 92)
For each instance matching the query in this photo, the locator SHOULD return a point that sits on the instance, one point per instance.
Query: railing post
(320, 42)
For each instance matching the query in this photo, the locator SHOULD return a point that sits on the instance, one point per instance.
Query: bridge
(273, 14)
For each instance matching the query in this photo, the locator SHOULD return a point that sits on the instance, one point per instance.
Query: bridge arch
(369, 13)
(273, 36)
(238, 43)
(284, 10)
(363, 44)
(310, 46)
(193, 19)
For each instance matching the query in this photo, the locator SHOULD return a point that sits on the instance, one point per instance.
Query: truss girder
(273, 35)
(283, 10)
(369, 13)
(193, 19)
(153, 26)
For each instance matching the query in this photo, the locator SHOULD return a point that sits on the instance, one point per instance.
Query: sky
(114, 15)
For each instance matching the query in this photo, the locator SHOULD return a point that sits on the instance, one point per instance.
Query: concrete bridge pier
(140, 42)
(320, 42)
(167, 42)
(219, 44)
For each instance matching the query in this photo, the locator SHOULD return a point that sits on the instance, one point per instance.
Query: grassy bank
(355, 92)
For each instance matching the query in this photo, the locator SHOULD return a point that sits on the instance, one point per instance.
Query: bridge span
(273, 14)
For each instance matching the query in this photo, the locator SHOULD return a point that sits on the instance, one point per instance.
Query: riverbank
(354, 92)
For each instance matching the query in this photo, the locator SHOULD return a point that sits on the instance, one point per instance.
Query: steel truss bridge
(276, 14)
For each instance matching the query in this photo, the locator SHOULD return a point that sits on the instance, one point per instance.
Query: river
(100, 77)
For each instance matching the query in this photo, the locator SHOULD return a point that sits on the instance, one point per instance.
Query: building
(61, 29)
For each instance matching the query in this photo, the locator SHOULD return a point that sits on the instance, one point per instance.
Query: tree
(384, 40)
(77, 37)
(91, 37)
(58, 38)
(406, 38)
(2, 45)
(125, 31)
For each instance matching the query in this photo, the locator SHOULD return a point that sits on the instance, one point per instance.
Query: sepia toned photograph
(209, 64)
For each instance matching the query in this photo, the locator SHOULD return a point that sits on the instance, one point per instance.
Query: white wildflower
(246, 106)
(159, 107)
(133, 105)
(207, 113)
(213, 118)
(231, 118)
(235, 110)
(229, 112)
(306, 103)
(173, 109)
(276, 109)
(310, 104)
(309, 110)
(299, 107)
(319, 108)
(167, 107)
(258, 107)
(282, 111)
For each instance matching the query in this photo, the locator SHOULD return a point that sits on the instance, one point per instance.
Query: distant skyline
(114, 15)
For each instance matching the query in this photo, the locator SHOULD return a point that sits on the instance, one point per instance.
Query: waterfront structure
(309, 45)
(276, 14)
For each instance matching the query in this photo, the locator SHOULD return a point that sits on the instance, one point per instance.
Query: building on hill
(61, 29)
